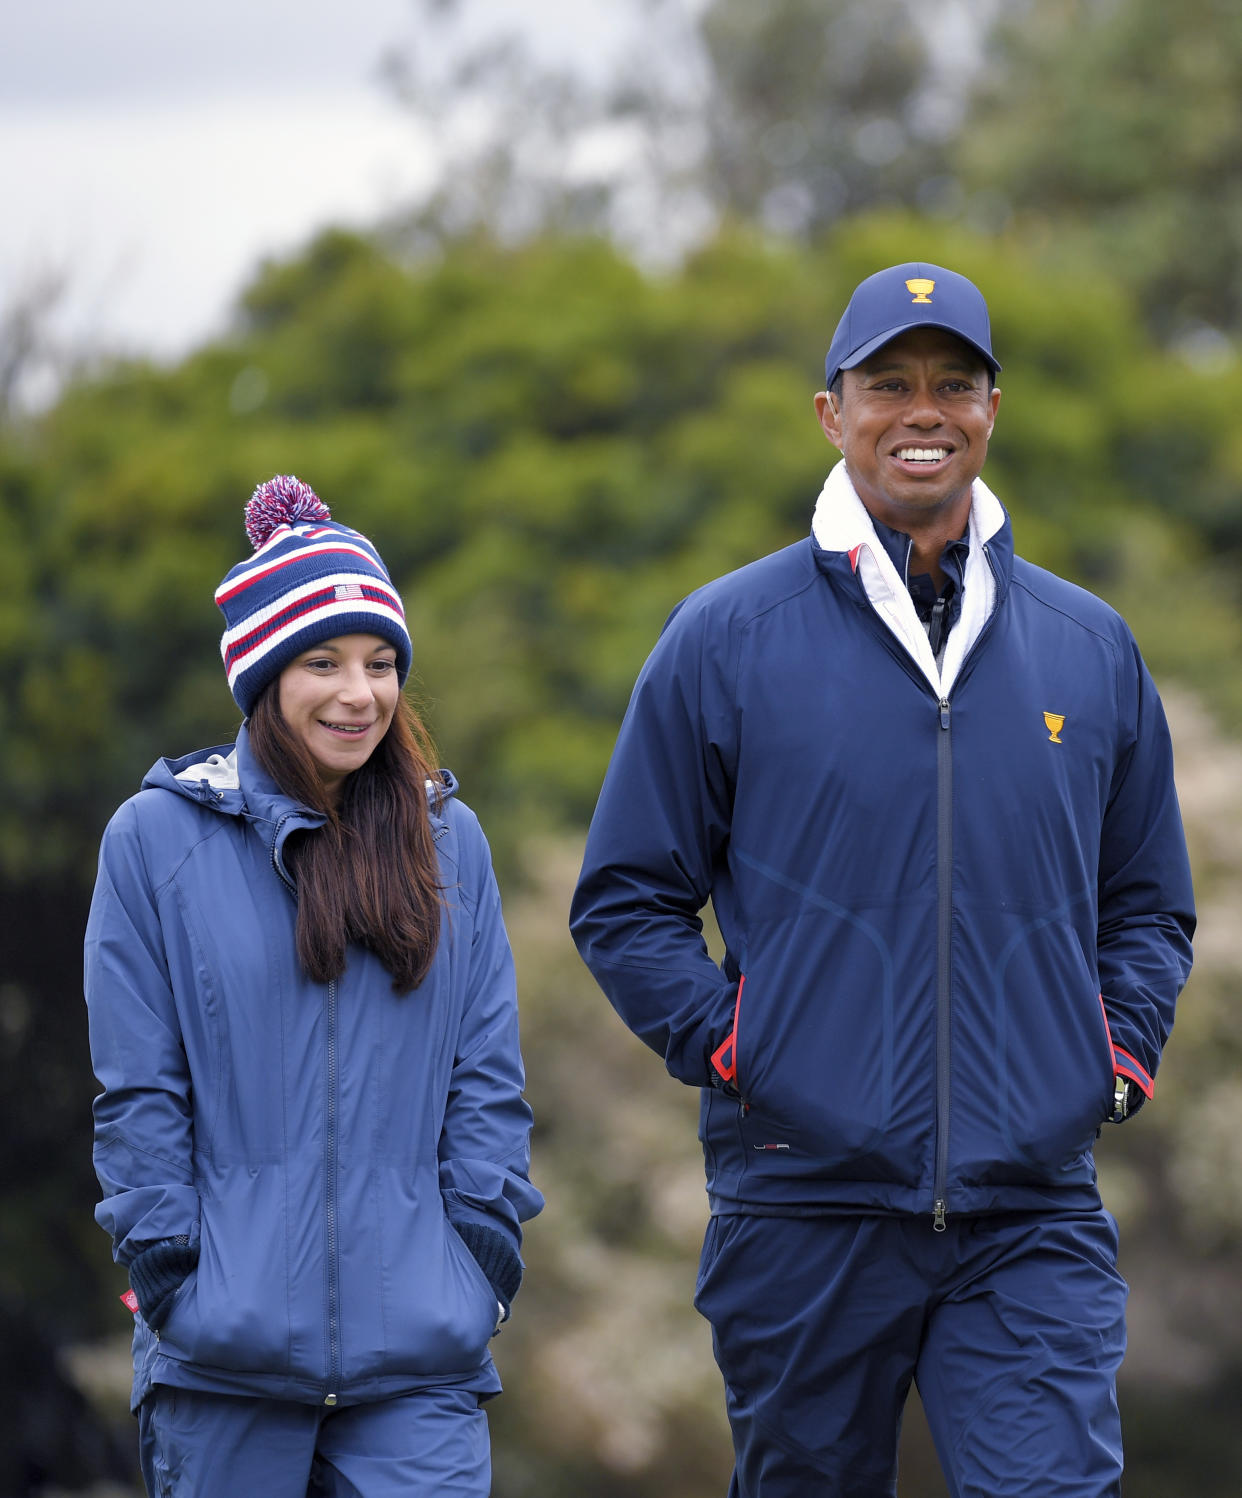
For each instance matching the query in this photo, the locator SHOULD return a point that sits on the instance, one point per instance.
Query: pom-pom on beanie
(310, 579)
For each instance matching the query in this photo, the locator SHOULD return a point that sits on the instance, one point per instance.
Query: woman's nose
(355, 687)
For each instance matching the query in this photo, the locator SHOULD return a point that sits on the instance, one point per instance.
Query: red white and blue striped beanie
(310, 579)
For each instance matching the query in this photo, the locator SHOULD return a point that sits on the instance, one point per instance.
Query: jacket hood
(230, 780)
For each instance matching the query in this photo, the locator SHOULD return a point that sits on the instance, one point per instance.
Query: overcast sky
(153, 152)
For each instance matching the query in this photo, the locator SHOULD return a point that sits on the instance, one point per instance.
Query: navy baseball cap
(909, 296)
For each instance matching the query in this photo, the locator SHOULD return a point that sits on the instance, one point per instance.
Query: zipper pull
(944, 713)
(939, 1211)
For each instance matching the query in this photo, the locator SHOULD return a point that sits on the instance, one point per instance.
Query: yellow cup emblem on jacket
(920, 289)
(1055, 722)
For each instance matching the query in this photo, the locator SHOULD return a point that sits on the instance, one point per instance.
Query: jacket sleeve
(1146, 903)
(484, 1149)
(660, 830)
(143, 1118)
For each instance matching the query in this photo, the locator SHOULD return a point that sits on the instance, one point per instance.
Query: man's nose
(922, 408)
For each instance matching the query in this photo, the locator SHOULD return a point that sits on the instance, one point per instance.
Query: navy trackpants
(1011, 1326)
(429, 1444)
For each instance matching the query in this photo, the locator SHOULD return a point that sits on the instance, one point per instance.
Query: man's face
(913, 425)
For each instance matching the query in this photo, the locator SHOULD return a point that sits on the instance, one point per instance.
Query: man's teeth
(922, 454)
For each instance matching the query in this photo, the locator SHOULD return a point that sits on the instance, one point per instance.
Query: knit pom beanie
(310, 579)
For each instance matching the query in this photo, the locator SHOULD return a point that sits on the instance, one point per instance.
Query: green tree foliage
(817, 110)
(1110, 130)
(550, 446)
(1117, 124)
(792, 115)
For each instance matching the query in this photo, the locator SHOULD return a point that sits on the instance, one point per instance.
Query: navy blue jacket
(948, 922)
(322, 1147)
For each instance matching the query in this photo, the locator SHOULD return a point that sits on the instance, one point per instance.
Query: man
(928, 788)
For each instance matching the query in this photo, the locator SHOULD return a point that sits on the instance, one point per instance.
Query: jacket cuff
(158, 1273)
(496, 1257)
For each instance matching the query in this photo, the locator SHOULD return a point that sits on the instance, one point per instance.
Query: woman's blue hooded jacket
(321, 1147)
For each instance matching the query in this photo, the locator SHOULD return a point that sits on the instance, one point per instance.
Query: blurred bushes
(551, 446)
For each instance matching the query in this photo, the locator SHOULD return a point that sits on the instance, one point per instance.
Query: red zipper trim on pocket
(728, 1072)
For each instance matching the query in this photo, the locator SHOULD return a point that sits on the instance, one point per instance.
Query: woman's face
(338, 699)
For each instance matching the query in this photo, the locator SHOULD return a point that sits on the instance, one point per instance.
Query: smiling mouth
(352, 729)
(922, 454)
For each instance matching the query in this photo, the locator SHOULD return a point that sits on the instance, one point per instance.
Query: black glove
(158, 1273)
(496, 1256)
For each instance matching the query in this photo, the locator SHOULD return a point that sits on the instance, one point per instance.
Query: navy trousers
(430, 1444)
(1012, 1327)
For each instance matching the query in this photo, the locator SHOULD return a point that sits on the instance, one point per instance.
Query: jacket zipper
(944, 899)
(944, 971)
(944, 892)
(944, 919)
(276, 863)
(332, 1281)
(332, 1267)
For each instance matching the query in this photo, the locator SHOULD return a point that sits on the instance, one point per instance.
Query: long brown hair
(370, 874)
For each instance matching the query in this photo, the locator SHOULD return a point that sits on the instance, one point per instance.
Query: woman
(311, 1138)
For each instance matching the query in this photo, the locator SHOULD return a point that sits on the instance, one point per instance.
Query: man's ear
(828, 412)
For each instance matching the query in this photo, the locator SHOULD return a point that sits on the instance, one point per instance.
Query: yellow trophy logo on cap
(920, 289)
(1054, 722)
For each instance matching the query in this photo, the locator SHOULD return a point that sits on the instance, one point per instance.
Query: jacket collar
(841, 521)
(231, 781)
(845, 542)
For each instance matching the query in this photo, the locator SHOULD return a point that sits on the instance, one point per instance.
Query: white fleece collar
(219, 771)
(841, 523)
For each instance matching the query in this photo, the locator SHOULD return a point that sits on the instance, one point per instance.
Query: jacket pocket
(724, 1057)
(182, 1293)
(232, 1311)
(1054, 1063)
(438, 1309)
(813, 1060)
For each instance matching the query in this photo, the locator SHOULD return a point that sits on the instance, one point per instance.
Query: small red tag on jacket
(130, 1301)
